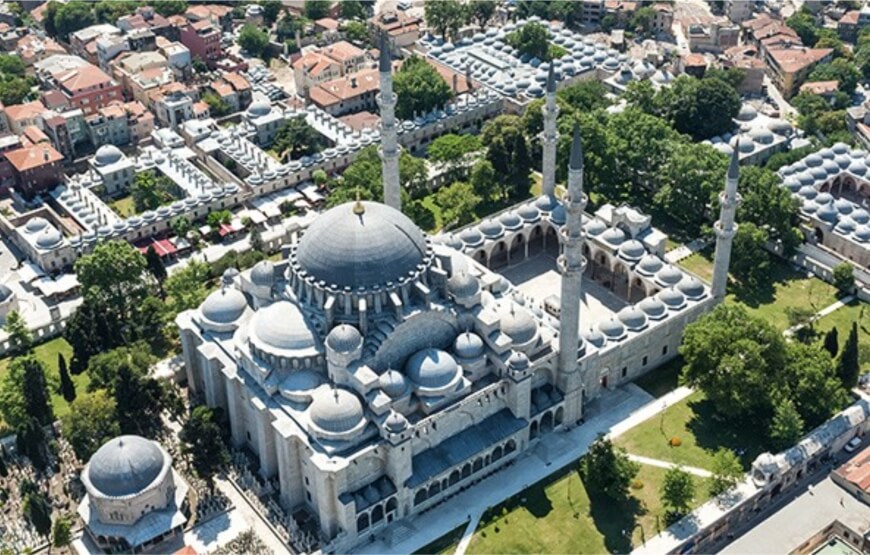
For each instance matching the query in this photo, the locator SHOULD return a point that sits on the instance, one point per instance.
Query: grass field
(47, 353)
(694, 422)
(663, 379)
(842, 319)
(559, 516)
(699, 264)
(123, 206)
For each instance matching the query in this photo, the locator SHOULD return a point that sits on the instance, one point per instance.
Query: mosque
(376, 371)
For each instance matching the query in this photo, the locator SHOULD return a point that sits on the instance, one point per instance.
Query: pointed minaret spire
(726, 227)
(571, 262)
(549, 138)
(389, 136)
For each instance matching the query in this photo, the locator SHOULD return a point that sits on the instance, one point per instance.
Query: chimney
(353, 82)
(45, 154)
(455, 83)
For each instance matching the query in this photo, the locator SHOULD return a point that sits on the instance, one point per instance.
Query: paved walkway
(821, 314)
(612, 413)
(252, 517)
(685, 251)
(667, 464)
(468, 534)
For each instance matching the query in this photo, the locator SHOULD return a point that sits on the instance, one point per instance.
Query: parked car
(853, 445)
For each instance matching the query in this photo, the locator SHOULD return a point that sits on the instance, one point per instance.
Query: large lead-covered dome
(360, 246)
(125, 466)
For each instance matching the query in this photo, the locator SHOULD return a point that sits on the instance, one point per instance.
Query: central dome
(125, 465)
(349, 247)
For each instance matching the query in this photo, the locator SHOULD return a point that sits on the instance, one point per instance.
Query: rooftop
(857, 470)
(343, 51)
(28, 110)
(85, 77)
(792, 60)
(821, 87)
(347, 87)
(32, 157)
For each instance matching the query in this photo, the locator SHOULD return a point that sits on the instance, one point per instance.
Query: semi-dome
(463, 285)
(282, 327)
(344, 338)
(125, 465)
(107, 155)
(518, 324)
(468, 345)
(393, 383)
(432, 368)
(335, 410)
(360, 245)
(263, 274)
(224, 306)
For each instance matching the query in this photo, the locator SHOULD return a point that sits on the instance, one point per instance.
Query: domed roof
(813, 160)
(107, 155)
(613, 236)
(263, 274)
(612, 329)
(633, 318)
(393, 383)
(669, 275)
(491, 229)
(845, 226)
(49, 238)
(125, 465)
(468, 345)
(224, 306)
(594, 227)
(691, 287)
(259, 109)
(844, 206)
(652, 307)
(395, 423)
(649, 264)
(335, 410)
(463, 285)
(518, 324)
(35, 224)
(510, 220)
(432, 368)
(827, 212)
(344, 338)
(861, 216)
(747, 113)
(281, 326)
(594, 337)
(862, 233)
(373, 247)
(471, 237)
(557, 215)
(529, 212)
(632, 250)
(518, 361)
(672, 298)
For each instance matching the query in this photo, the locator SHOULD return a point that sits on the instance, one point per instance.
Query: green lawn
(559, 516)
(47, 352)
(123, 206)
(842, 319)
(663, 379)
(445, 544)
(699, 430)
(700, 264)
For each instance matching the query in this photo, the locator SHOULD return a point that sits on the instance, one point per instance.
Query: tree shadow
(615, 519)
(712, 431)
(765, 293)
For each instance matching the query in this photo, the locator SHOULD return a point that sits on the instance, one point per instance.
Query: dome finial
(358, 207)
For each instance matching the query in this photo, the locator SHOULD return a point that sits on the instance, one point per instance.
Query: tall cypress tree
(67, 387)
(832, 344)
(847, 365)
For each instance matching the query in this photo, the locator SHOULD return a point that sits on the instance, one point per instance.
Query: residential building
(663, 18)
(402, 29)
(233, 89)
(83, 41)
(146, 18)
(710, 35)
(108, 48)
(825, 89)
(142, 40)
(88, 88)
(745, 58)
(58, 132)
(172, 105)
(32, 48)
(203, 39)
(120, 124)
(328, 28)
(692, 64)
(349, 56)
(8, 143)
(219, 16)
(592, 12)
(352, 93)
(314, 68)
(789, 67)
(177, 57)
(37, 168)
(242, 88)
(738, 11)
(622, 10)
(19, 116)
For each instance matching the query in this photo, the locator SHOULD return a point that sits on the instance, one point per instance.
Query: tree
(295, 139)
(727, 471)
(445, 17)
(420, 88)
(91, 422)
(181, 226)
(167, 8)
(811, 383)
(642, 20)
(71, 17)
(67, 387)
(201, 440)
(271, 10)
(508, 153)
(803, 24)
(482, 11)
(155, 264)
(256, 240)
(185, 288)
(844, 278)
(734, 358)
(453, 151)
(787, 427)
(364, 176)
(355, 31)
(61, 532)
(108, 11)
(769, 206)
(354, 9)
(37, 511)
(13, 90)
(150, 190)
(831, 342)
(319, 177)
(30, 439)
(139, 401)
(199, 66)
(103, 368)
(254, 39)
(483, 180)
(678, 490)
(841, 70)
(532, 40)
(584, 96)
(608, 470)
(316, 9)
(848, 367)
(702, 108)
(458, 203)
(750, 261)
(112, 275)
(24, 392)
(287, 27)
(218, 218)
(691, 178)
(12, 65)
(19, 334)
(4, 471)
(216, 105)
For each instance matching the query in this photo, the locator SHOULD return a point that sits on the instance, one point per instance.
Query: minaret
(389, 139)
(571, 262)
(725, 228)
(549, 139)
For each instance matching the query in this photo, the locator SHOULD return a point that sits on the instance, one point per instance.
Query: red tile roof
(81, 78)
(792, 60)
(32, 157)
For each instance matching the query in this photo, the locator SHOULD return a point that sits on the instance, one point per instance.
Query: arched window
(496, 454)
(362, 522)
(420, 496)
(378, 514)
(393, 504)
(454, 477)
(510, 447)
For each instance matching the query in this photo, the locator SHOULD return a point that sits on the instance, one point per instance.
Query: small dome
(672, 298)
(594, 337)
(510, 220)
(344, 338)
(669, 275)
(518, 361)
(792, 183)
(393, 383)
(49, 238)
(862, 233)
(845, 226)
(612, 329)
(395, 423)
(780, 126)
(633, 318)
(518, 324)
(491, 229)
(594, 227)
(125, 465)
(861, 216)
(224, 306)
(843, 206)
(813, 160)
(335, 410)
(747, 113)
(827, 212)
(557, 214)
(35, 224)
(263, 274)
(468, 345)
(761, 136)
(529, 212)
(432, 368)
(281, 326)
(613, 236)
(463, 285)
(632, 250)
(808, 192)
(691, 287)
(259, 109)
(831, 167)
(653, 308)
(471, 237)
(107, 155)
(649, 264)
(858, 167)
